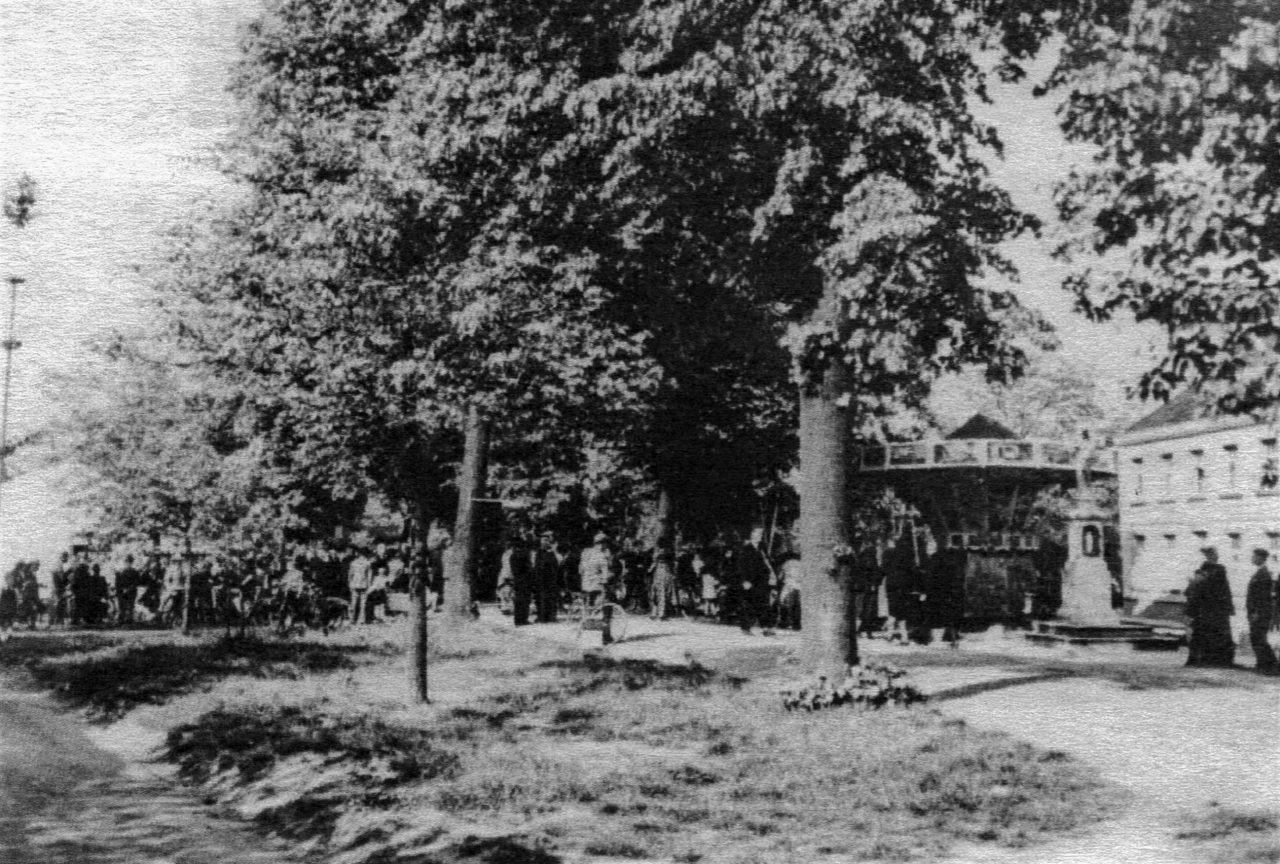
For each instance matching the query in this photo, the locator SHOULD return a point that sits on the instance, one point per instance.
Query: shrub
(868, 686)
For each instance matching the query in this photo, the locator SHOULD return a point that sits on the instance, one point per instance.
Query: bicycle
(591, 616)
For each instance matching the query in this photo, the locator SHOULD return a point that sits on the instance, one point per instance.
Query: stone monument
(1085, 616)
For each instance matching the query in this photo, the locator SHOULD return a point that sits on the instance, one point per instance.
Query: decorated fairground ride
(978, 545)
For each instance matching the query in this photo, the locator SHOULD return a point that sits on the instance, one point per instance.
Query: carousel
(975, 547)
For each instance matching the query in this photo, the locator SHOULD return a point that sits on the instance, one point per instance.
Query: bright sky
(111, 107)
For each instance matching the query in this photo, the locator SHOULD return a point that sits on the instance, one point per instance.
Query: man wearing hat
(1209, 609)
(1259, 609)
(596, 569)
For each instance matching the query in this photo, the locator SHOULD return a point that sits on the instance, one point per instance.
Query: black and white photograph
(640, 432)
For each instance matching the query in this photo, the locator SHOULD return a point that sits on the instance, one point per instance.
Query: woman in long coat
(1209, 609)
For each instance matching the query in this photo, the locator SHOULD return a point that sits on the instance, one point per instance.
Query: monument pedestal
(1086, 616)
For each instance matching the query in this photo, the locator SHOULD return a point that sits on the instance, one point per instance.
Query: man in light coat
(596, 569)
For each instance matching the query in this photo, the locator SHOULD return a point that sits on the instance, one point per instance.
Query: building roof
(1183, 408)
(981, 426)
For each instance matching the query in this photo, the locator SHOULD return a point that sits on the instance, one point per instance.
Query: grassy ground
(111, 674)
(561, 756)
(539, 754)
(1228, 836)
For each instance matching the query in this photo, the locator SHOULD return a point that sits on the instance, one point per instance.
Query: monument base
(1139, 636)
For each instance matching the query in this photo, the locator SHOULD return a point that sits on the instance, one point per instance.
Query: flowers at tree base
(870, 686)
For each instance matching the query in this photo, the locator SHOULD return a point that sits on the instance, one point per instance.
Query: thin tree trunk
(460, 560)
(829, 631)
(664, 529)
(418, 665)
(419, 609)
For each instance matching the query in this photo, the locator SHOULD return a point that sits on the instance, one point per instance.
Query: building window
(1168, 475)
(1231, 451)
(1197, 471)
(1137, 477)
(1270, 476)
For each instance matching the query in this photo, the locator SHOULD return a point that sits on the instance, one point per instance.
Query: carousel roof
(982, 426)
(980, 444)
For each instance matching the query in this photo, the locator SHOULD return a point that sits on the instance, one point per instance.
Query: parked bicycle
(589, 615)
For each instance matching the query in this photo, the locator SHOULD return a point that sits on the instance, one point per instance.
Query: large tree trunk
(460, 562)
(829, 630)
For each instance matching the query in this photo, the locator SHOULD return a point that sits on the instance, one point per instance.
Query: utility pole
(10, 345)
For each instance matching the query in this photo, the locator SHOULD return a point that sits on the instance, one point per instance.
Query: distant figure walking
(1260, 610)
(359, 580)
(1209, 609)
(595, 566)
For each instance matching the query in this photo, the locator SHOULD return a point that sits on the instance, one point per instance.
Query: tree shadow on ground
(483, 850)
(1139, 673)
(110, 680)
(24, 648)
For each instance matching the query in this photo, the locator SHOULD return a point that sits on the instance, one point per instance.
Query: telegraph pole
(10, 345)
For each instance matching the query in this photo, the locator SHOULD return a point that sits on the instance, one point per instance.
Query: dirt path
(1179, 752)
(65, 800)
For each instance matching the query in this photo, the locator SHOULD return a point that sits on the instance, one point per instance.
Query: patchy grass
(1228, 836)
(252, 740)
(110, 678)
(638, 759)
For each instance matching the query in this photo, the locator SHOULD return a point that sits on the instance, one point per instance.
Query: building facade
(1189, 479)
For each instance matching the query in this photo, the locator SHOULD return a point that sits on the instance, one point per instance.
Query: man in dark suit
(751, 583)
(1259, 609)
(546, 578)
(128, 581)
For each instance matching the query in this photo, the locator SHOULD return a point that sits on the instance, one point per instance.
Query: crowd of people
(320, 582)
(901, 588)
(540, 577)
(739, 582)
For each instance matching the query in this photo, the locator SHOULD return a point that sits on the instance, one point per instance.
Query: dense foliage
(1180, 99)
(597, 222)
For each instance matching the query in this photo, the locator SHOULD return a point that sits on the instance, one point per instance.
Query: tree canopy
(1180, 99)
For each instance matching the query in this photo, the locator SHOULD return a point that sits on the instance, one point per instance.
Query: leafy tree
(604, 217)
(157, 453)
(1179, 98)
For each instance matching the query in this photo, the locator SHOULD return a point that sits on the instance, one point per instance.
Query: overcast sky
(111, 105)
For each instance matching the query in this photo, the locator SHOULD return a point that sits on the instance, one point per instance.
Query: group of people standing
(189, 588)
(1209, 608)
(729, 582)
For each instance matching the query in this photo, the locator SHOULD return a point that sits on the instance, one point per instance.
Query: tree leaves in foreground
(1180, 98)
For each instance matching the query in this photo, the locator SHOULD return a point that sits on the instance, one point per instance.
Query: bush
(867, 686)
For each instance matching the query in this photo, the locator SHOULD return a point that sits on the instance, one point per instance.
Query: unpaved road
(1179, 752)
(64, 800)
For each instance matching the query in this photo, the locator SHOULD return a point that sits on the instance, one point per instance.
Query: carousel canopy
(981, 426)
